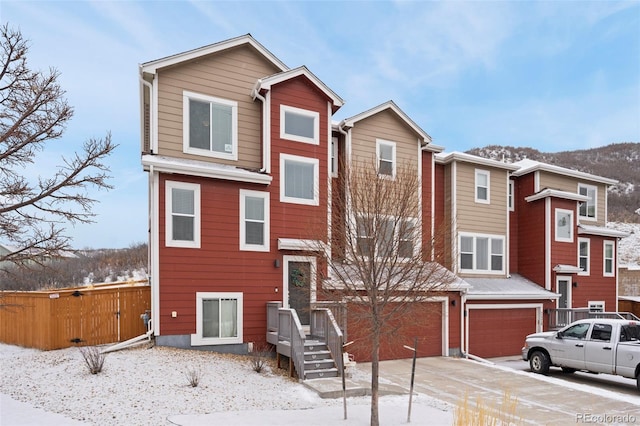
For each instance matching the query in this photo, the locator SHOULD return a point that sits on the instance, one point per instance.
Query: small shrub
(193, 376)
(93, 358)
(259, 357)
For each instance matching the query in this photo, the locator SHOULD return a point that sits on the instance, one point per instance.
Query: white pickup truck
(609, 346)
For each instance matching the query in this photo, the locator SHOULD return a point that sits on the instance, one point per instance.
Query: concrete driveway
(540, 400)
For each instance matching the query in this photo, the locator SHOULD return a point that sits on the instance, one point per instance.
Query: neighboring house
(244, 160)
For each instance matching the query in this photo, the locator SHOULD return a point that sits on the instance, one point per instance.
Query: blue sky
(549, 75)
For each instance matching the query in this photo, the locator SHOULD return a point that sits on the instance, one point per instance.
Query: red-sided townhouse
(242, 156)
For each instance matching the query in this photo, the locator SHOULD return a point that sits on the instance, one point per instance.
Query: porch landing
(331, 387)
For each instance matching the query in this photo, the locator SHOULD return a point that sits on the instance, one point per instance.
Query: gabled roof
(267, 82)
(153, 66)
(601, 231)
(515, 287)
(389, 105)
(446, 158)
(528, 166)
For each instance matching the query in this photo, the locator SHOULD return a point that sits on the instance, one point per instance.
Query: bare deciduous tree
(33, 113)
(381, 260)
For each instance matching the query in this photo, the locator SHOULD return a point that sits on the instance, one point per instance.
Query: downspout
(152, 141)
(266, 145)
(153, 250)
(463, 309)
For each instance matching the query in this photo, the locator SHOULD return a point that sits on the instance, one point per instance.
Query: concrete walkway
(538, 400)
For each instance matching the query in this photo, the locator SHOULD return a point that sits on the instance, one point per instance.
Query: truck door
(599, 350)
(569, 350)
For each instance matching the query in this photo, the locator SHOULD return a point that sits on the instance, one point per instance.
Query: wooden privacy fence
(82, 316)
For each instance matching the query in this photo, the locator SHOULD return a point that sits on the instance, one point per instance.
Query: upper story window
(299, 179)
(588, 209)
(482, 186)
(584, 255)
(299, 125)
(481, 253)
(510, 195)
(564, 225)
(386, 156)
(334, 157)
(210, 126)
(608, 259)
(386, 237)
(254, 220)
(182, 221)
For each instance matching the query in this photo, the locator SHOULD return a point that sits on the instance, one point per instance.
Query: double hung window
(583, 255)
(254, 220)
(386, 155)
(609, 259)
(482, 186)
(182, 214)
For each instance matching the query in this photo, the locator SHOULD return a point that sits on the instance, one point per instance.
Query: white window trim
(604, 259)
(595, 202)
(169, 241)
(233, 155)
(511, 195)
(476, 186)
(244, 246)
(316, 180)
(379, 143)
(555, 225)
(475, 270)
(599, 304)
(197, 339)
(316, 125)
(334, 157)
(588, 241)
(396, 236)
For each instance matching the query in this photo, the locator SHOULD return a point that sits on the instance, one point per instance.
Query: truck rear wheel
(539, 363)
(638, 381)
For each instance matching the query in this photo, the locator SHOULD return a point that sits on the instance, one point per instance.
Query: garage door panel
(499, 332)
(423, 322)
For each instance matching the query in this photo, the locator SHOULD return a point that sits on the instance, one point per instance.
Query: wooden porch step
(320, 374)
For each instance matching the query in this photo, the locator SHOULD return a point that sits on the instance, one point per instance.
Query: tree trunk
(375, 371)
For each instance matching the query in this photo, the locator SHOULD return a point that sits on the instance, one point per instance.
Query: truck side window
(578, 331)
(601, 332)
(630, 333)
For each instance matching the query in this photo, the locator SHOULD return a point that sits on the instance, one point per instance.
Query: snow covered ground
(628, 247)
(143, 386)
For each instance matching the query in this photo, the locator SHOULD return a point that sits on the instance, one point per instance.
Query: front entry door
(299, 289)
(563, 286)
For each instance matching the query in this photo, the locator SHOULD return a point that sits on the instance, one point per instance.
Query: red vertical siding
(427, 204)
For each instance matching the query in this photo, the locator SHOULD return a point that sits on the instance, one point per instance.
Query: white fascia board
(512, 296)
(600, 231)
(350, 122)
(528, 166)
(153, 66)
(267, 82)
(556, 194)
(203, 169)
(446, 158)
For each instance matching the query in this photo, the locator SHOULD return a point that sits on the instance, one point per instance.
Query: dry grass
(467, 413)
